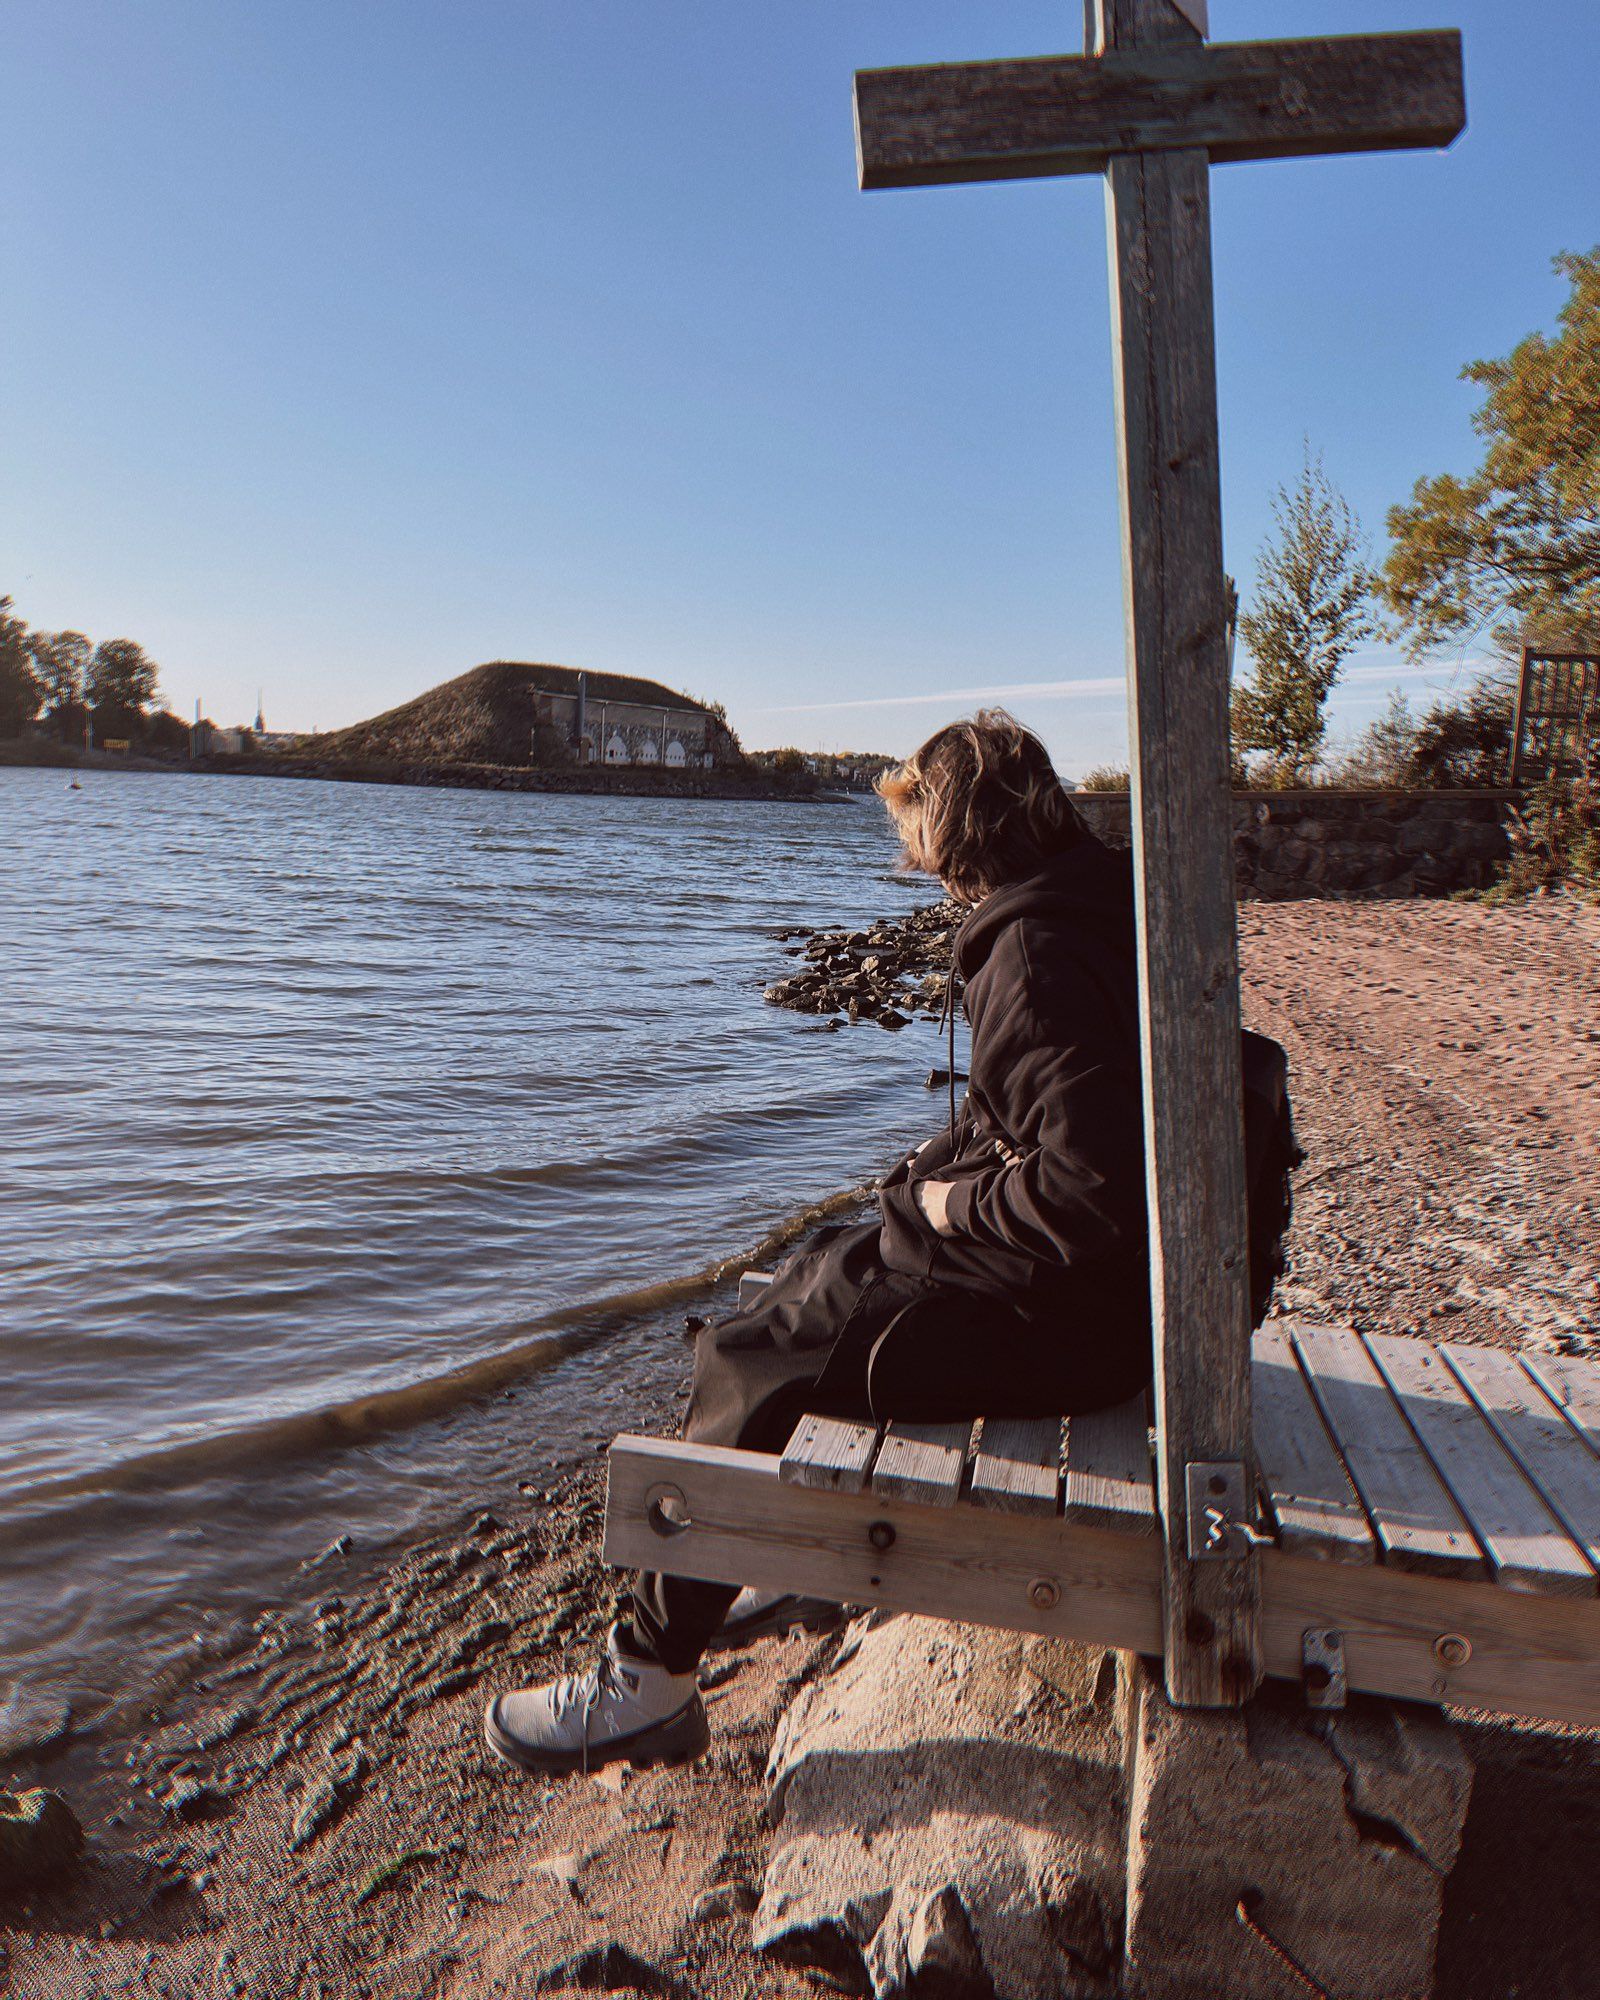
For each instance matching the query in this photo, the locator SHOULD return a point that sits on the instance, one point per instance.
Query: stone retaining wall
(1349, 845)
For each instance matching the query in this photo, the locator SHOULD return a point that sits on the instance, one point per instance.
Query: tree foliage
(1312, 608)
(20, 692)
(61, 664)
(1463, 743)
(1106, 778)
(61, 661)
(1520, 538)
(120, 684)
(1460, 742)
(1380, 757)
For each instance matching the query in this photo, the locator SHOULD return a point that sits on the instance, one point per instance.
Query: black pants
(838, 1334)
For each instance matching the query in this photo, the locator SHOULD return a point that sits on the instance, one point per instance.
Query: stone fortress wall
(626, 732)
(1349, 845)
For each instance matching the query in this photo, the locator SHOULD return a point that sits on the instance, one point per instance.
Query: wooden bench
(1428, 1520)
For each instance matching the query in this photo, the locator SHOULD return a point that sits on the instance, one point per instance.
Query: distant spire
(260, 724)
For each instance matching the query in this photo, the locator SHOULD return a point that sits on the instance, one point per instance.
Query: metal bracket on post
(1322, 1674)
(1219, 1523)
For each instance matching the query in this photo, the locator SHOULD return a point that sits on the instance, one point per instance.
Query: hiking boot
(623, 1708)
(758, 1614)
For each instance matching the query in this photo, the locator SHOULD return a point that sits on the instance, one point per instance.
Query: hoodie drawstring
(947, 1025)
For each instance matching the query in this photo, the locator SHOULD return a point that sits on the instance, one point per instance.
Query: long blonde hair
(980, 805)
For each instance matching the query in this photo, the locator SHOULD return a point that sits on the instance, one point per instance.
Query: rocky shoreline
(632, 781)
(873, 974)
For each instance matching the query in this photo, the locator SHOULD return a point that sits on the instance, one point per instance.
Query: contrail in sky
(1053, 690)
(1062, 690)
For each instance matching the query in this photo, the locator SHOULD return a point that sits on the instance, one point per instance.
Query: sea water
(329, 1113)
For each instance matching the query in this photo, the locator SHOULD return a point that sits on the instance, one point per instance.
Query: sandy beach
(314, 1814)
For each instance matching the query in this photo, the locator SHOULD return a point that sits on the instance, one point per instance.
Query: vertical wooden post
(1519, 717)
(1159, 236)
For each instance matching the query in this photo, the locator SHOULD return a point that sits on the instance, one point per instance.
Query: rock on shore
(885, 973)
(40, 1838)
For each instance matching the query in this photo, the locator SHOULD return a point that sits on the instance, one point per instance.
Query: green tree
(1463, 742)
(1380, 757)
(120, 685)
(20, 692)
(1313, 607)
(1520, 538)
(61, 665)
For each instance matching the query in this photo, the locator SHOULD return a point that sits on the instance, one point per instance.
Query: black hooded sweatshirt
(1048, 1204)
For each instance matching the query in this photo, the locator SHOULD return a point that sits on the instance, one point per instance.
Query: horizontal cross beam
(1527, 1654)
(987, 121)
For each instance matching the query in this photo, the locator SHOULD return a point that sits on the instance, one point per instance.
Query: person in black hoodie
(1007, 1272)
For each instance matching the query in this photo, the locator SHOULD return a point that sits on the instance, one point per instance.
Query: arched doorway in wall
(649, 752)
(675, 755)
(616, 749)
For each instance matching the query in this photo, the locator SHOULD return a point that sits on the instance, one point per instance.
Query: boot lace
(589, 1691)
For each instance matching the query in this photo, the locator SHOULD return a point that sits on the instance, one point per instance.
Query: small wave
(540, 1343)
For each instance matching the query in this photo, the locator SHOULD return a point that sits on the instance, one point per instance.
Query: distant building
(845, 770)
(210, 739)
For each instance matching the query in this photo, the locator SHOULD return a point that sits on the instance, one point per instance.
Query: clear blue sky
(346, 345)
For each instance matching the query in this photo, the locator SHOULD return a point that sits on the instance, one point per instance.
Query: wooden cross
(1152, 107)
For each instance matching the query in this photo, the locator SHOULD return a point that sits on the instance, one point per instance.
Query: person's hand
(933, 1198)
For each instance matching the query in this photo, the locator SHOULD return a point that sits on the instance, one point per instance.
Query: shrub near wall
(1349, 845)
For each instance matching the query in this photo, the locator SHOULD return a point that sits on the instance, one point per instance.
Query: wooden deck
(1435, 1506)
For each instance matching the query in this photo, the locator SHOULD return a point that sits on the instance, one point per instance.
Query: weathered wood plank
(1017, 1465)
(873, 1548)
(1110, 1476)
(1575, 1386)
(1418, 1637)
(1527, 1547)
(947, 122)
(1419, 1526)
(922, 1462)
(1163, 347)
(1315, 1509)
(1537, 1436)
(829, 1453)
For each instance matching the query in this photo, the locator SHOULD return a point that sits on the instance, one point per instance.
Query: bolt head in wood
(1044, 1593)
(1451, 1649)
(881, 1534)
(666, 1510)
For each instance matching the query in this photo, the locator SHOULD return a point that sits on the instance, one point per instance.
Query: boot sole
(815, 1619)
(678, 1740)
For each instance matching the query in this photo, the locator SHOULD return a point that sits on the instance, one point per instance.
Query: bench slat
(829, 1453)
(1110, 1478)
(1419, 1526)
(922, 1462)
(1528, 1549)
(1017, 1466)
(1575, 1385)
(1537, 1436)
(1315, 1508)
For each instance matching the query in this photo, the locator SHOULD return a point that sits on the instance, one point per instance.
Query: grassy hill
(484, 716)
